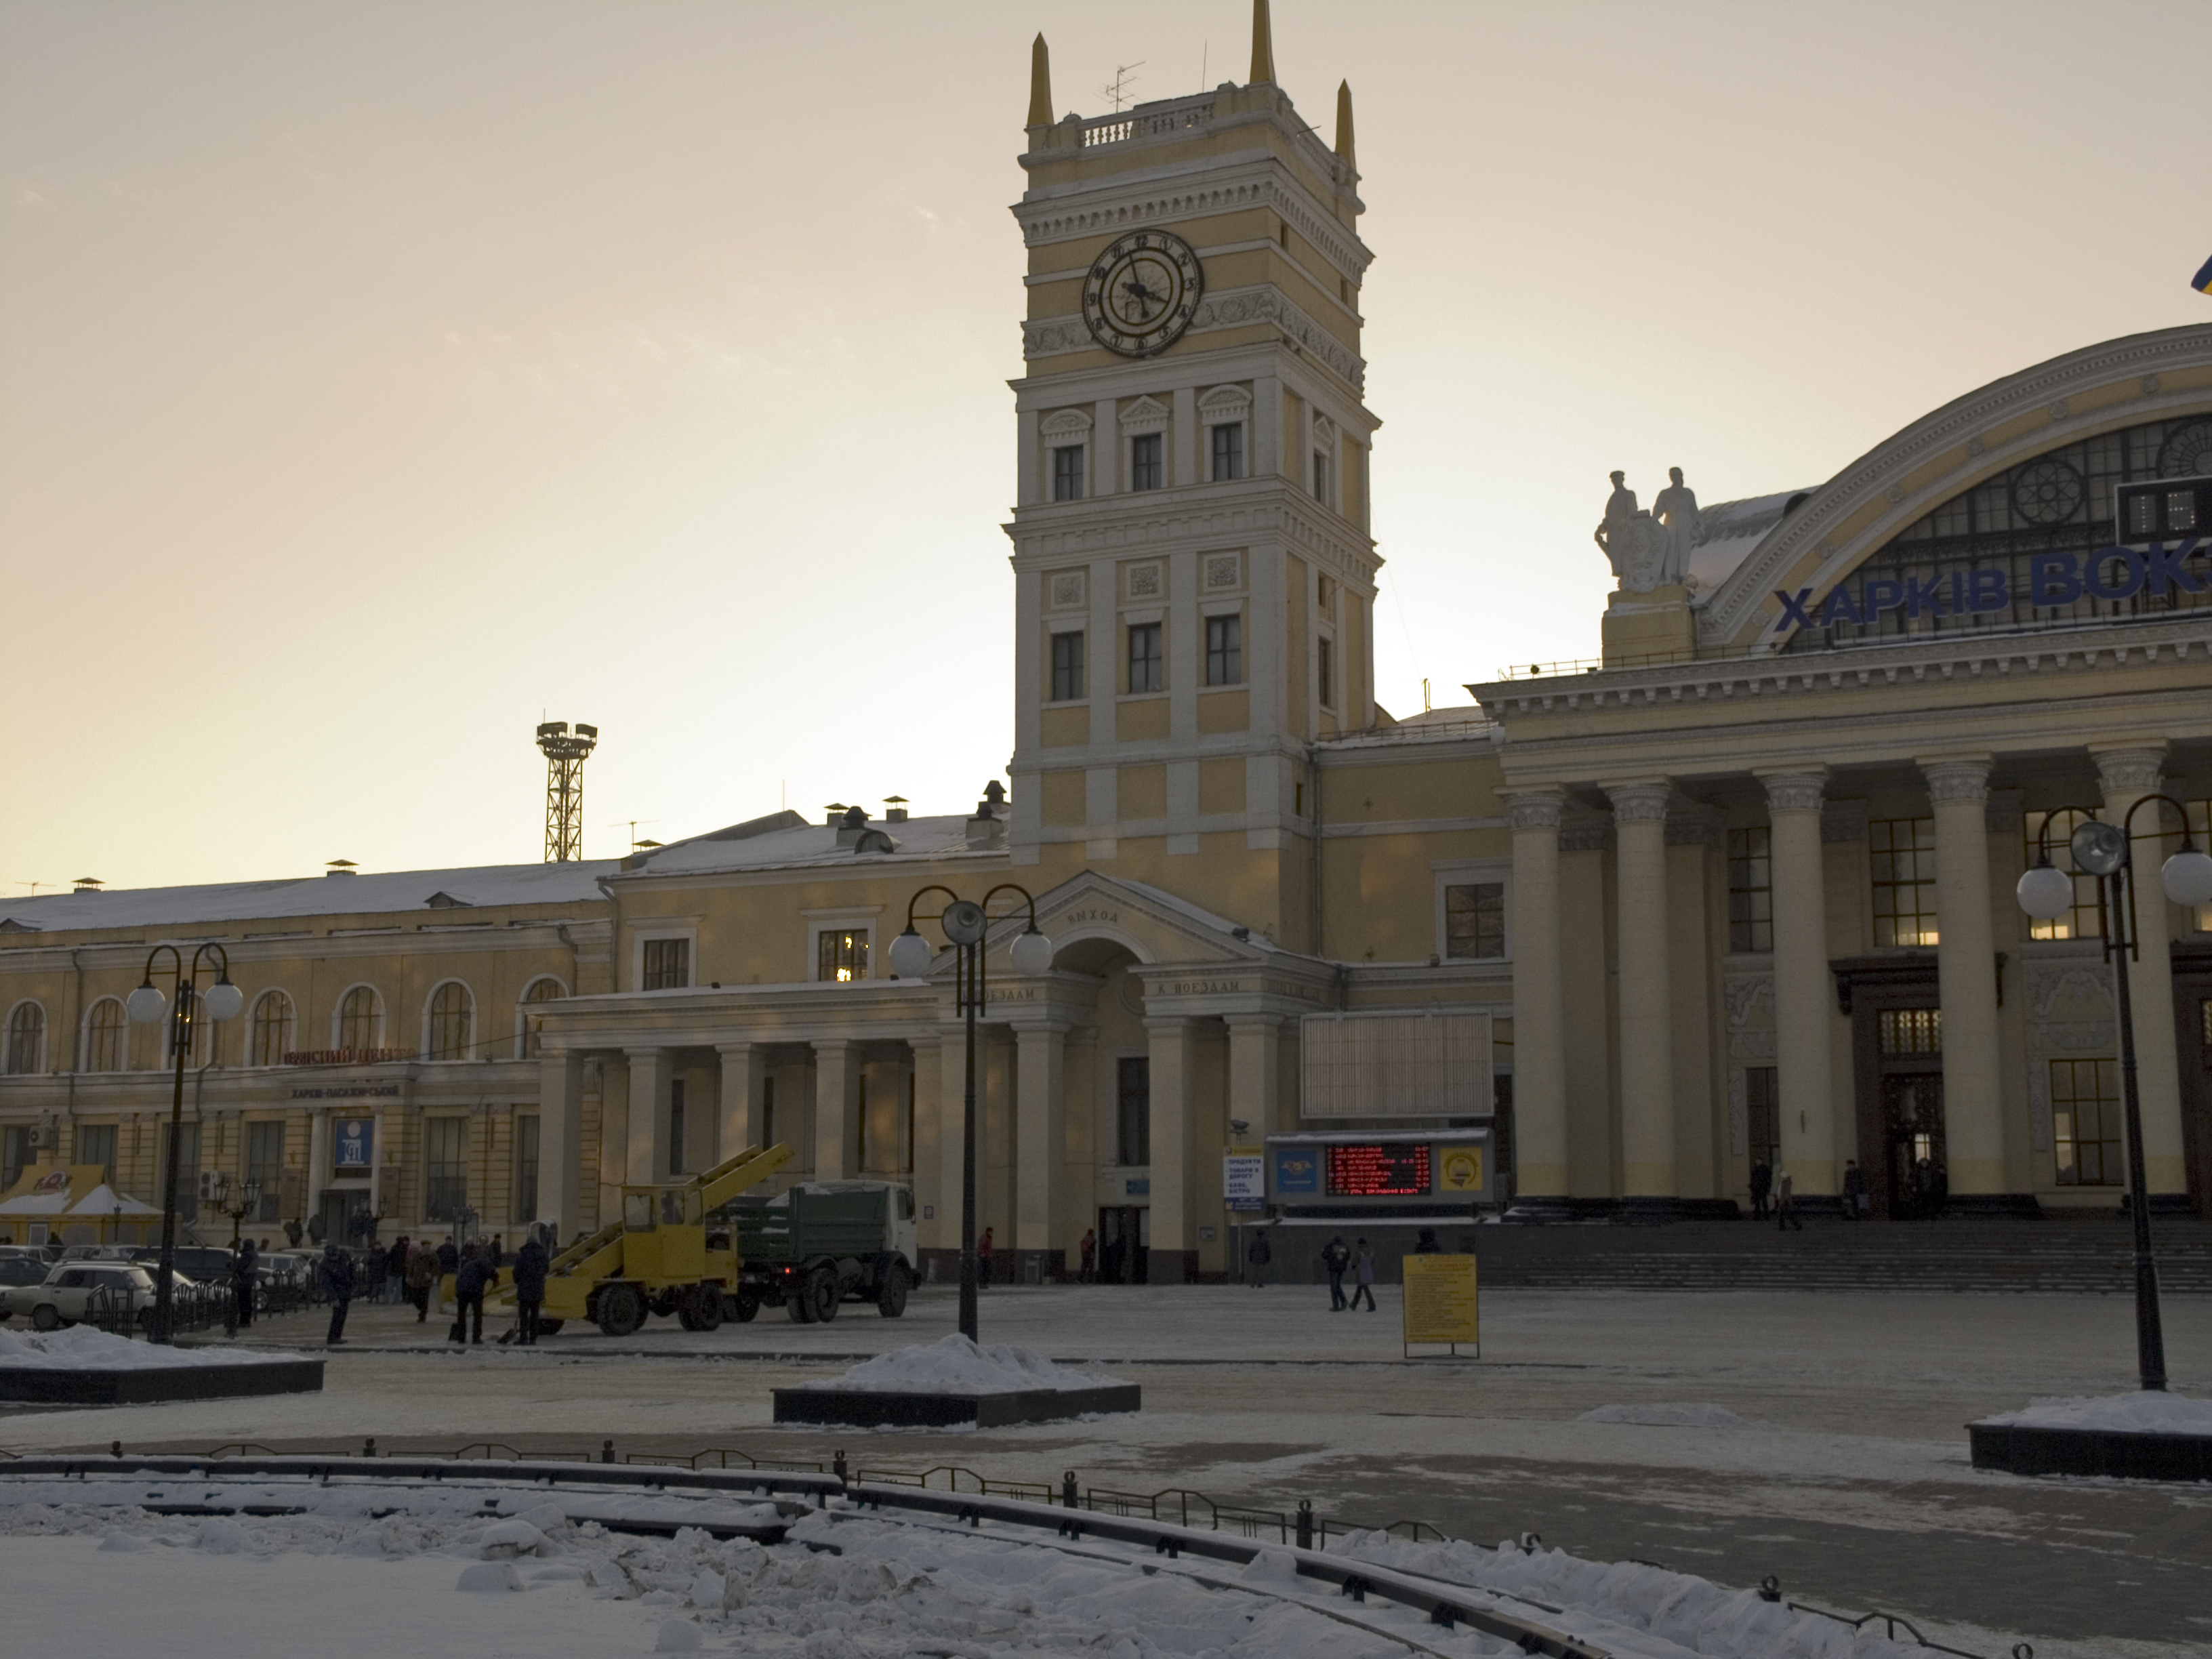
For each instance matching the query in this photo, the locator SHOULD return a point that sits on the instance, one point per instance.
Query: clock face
(1141, 294)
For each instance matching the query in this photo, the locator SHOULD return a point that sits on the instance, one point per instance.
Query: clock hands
(1145, 297)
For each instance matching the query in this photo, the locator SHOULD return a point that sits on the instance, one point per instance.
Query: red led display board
(1384, 1170)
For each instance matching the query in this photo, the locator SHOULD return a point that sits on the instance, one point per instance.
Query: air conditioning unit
(210, 1186)
(41, 1135)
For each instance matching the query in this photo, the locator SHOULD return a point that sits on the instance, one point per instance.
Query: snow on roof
(1453, 724)
(806, 844)
(1732, 529)
(359, 893)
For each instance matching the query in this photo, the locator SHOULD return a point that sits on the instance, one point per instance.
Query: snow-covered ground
(81, 1347)
(2141, 1412)
(480, 1571)
(955, 1364)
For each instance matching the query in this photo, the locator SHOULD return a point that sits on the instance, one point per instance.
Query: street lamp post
(966, 925)
(2104, 850)
(221, 1001)
(237, 1202)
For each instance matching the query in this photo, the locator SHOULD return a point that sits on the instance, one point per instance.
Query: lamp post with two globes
(2104, 850)
(966, 925)
(220, 1001)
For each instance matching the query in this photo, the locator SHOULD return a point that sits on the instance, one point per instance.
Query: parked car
(65, 1296)
(21, 1270)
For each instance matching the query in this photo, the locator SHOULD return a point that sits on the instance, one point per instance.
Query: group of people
(1773, 1193)
(410, 1269)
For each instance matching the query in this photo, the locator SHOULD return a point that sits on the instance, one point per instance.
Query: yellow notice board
(1441, 1301)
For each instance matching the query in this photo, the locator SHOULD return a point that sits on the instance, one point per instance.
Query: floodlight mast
(565, 753)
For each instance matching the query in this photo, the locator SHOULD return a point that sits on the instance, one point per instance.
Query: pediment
(1145, 415)
(1224, 402)
(1067, 424)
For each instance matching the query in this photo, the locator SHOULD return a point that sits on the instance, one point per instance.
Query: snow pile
(1679, 1614)
(82, 1348)
(1667, 1417)
(958, 1365)
(2115, 1413)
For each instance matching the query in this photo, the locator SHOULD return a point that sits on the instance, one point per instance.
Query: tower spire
(1041, 84)
(1263, 44)
(1344, 121)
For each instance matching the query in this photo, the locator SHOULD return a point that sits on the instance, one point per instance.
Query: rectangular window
(525, 1168)
(445, 1168)
(1066, 667)
(842, 954)
(1474, 921)
(1762, 1097)
(95, 1144)
(1146, 471)
(1751, 888)
(2080, 921)
(676, 1126)
(2200, 831)
(1911, 1030)
(1067, 473)
(667, 963)
(1145, 662)
(1903, 851)
(1328, 673)
(264, 1167)
(14, 1154)
(1224, 651)
(1320, 478)
(1228, 452)
(1134, 1145)
(2085, 1123)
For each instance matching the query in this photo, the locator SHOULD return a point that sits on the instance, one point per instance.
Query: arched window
(547, 989)
(106, 1036)
(361, 1019)
(27, 1038)
(270, 1035)
(452, 1019)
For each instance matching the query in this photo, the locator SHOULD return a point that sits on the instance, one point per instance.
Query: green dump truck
(820, 1244)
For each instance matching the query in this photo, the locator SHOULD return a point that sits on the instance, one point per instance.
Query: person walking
(449, 1256)
(315, 1230)
(338, 1278)
(1857, 1204)
(1786, 1203)
(1362, 1264)
(1089, 1272)
(476, 1276)
(1939, 1187)
(292, 1232)
(1762, 1182)
(1257, 1255)
(422, 1274)
(530, 1264)
(394, 1274)
(244, 1273)
(983, 1261)
(1336, 1258)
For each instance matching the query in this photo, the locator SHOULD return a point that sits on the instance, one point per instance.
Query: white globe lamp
(224, 1001)
(2046, 892)
(910, 955)
(1032, 953)
(145, 1004)
(2187, 876)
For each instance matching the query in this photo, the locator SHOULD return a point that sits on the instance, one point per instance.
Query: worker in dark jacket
(476, 1276)
(338, 1288)
(530, 1263)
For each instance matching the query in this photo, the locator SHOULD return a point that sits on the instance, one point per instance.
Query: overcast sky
(376, 379)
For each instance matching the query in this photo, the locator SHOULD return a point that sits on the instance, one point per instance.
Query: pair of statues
(1650, 550)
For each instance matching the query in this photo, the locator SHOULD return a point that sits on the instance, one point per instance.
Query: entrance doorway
(1125, 1238)
(1912, 1119)
(340, 1206)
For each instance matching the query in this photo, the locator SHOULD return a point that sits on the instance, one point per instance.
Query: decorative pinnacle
(1040, 84)
(1263, 44)
(1344, 119)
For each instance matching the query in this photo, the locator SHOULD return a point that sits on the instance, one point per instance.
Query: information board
(1441, 1301)
(1459, 1170)
(1379, 1169)
(353, 1147)
(1244, 1179)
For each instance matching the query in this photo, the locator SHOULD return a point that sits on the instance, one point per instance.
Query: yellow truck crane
(659, 1256)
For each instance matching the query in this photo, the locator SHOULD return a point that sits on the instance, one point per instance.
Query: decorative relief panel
(1068, 590)
(1748, 1001)
(1146, 581)
(1222, 571)
(2069, 1010)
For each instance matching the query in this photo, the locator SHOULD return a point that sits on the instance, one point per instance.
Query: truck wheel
(744, 1304)
(822, 1293)
(798, 1301)
(704, 1308)
(622, 1309)
(891, 1300)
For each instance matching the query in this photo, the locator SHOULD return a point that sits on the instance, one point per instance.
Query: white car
(65, 1295)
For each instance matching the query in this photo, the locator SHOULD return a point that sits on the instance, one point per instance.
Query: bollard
(369, 1446)
(606, 1451)
(1305, 1523)
(1769, 1588)
(1067, 1493)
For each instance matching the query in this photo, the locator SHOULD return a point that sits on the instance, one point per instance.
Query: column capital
(741, 1047)
(1793, 789)
(1169, 1024)
(2133, 769)
(647, 1053)
(1536, 808)
(1643, 801)
(1958, 777)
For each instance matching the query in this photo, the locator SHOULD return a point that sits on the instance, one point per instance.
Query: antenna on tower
(1119, 90)
(565, 753)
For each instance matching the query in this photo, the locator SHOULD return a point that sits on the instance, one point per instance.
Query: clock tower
(1194, 576)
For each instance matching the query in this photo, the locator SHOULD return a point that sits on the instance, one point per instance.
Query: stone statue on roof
(1633, 541)
(1676, 509)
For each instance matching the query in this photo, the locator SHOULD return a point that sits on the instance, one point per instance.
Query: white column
(1255, 1072)
(837, 1110)
(1028, 450)
(1174, 1240)
(1966, 975)
(1647, 1052)
(319, 1157)
(646, 1151)
(1105, 448)
(1540, 1029)
(927, 1149)
(1801, 983)
(742, 1118)
(1040, 1142)
(1185, 438)
(2127, 775)
(561, 1139)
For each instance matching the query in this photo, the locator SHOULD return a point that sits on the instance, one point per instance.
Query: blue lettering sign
(1840, 607)
(1793, 607)
(1923, 595)
(1882, 594)
(2129, 580)
(2052, 579)
(2163, 567)
(353, 1147)
(1986, 591)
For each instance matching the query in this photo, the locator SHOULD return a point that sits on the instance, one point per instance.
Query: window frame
(12, 1057)
(1068, 681)
(93, 1031)
(1068, 472)
(1233, 465)
(436, 1127)
(1757, 850)
(526, 1045)
(1325, 675)
(1224, 661)
(288, 1028)
(1448, 873)
(656, 969)
(1147, 455)
(1927, 936)
(821, 928)
(1154, 661)
(658, 928)
(432, 1015)
(376, 1016)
